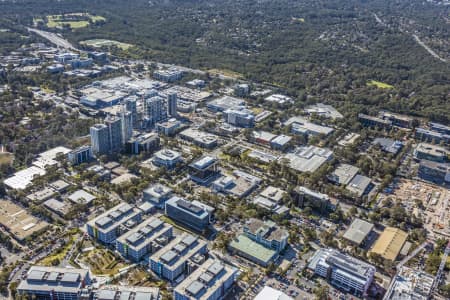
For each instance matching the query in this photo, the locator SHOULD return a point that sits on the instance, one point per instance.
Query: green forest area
(326, 50)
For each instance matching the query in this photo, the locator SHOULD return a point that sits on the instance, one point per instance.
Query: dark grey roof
(106, 295)
(195, 287)
(215, 268)
(169, 256)
(70, 277)
(189, 240)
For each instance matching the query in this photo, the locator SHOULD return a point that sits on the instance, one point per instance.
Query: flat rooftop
(22, 179)
(206, 280)
(390, 243)
(120, 292)
(343, 174)
(47, 279)
(81, 197)
(308, 159)
(358, 231)
(245, 245)
(114, 217)
(144, 233)
(225, 102)
(18, 221)
(178, 251)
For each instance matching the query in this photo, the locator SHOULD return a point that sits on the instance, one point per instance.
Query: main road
(54, 39)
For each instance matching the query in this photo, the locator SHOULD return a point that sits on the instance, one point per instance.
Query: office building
(239, 185)
(262, 137)
(306, 197)
(388, 145)
(167, 158)
(281, 142)
(410, 284)
(145, 238)
(199, 138)
(157, 194)
(343, 271)
(100, 139)
(178, 257)
(280, 99)
(147, 142)
(431, 136)
(374, 121)
(168, 128)
(224, 103)
(397, 120)
(156, 110)
(107, 137)
(358, 231)
(270, 293)
(131, 106)
(360, 185)
(53, 283)
(439, 128)
(438, 173)
(172, 104)
(194, 215)
(302, 126)
(390, 243)
(324, 110)
(116, 140)
(308, 158)
(267, 234)
(126, 124)
(241, 90)
(120, 292)
(343, 174)
(431, 152)
(240, 117)
(113, 223)
(270, 199)
(168, 75)
(260, 242)
(80, 155)
(211, 281)
(204, 169)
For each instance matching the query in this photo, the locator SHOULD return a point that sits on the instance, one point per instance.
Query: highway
(54, 39)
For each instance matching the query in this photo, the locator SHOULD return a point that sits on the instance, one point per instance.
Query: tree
(321, 292)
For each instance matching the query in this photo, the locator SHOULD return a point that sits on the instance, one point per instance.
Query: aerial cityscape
(234, 149)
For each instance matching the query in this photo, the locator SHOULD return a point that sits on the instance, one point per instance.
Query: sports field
(98, 43)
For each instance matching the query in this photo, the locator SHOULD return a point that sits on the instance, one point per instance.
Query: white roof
(269, 293)
(23, 178)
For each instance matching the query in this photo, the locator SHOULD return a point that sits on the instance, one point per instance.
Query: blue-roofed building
(111, 224)
(144, 239)
(176, 257)
(54, 283)
(212, 280)
(194, 215)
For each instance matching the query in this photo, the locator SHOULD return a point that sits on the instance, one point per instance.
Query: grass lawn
(228, 73)
(102, 261)
(380, 84)
(71, 20)
(98, 43)
(59, 254)
(6, 158)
